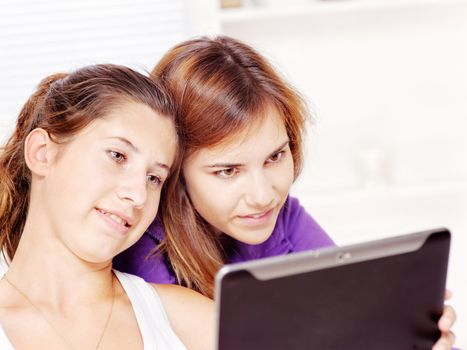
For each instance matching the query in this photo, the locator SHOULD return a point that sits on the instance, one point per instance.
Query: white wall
(387, 81)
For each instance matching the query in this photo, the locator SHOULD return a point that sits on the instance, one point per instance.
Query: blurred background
(386, 81)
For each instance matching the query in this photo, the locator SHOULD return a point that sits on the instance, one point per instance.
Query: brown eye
(117, 156)
(155, 180)
(227, 173)
(276, 157)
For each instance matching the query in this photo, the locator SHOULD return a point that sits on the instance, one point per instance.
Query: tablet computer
(383, 294)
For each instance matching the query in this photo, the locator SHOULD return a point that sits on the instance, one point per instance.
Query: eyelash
(119, 158)
(157, 180)
(221, 173)
(279, 154)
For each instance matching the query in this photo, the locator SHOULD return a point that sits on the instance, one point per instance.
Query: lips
(257, 221)
(258, 215)
(119, 219)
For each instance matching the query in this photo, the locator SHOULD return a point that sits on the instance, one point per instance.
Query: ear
(38, 149)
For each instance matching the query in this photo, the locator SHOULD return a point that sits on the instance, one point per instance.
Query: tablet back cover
(392, 302)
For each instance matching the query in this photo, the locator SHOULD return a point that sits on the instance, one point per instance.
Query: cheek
(285, 177)
(198, 194)
(210, 196)
(151, 208)
(79, 172)
(74, 182)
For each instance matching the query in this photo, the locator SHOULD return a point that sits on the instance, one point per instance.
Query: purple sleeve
(301, 230)
(136, 260)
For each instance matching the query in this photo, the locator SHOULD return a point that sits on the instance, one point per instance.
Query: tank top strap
(150, 313)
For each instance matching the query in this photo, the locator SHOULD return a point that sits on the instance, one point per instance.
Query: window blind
(38, 38)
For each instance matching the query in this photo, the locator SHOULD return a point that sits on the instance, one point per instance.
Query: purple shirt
(295, 231)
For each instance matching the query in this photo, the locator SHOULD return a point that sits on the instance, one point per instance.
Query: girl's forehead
(261, 137)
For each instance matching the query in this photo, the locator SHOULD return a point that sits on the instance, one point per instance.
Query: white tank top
(150, 314)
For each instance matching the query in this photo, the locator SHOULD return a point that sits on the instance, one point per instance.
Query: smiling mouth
(257, 216)
(114, 217)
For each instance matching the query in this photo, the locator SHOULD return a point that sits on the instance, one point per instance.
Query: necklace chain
(39, 311)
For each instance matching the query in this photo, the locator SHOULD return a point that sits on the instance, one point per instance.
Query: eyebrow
(137, 150)
(234, 165)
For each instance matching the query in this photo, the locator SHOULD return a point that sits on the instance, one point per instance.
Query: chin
(98, 260)
(254, 238)
(97, 257)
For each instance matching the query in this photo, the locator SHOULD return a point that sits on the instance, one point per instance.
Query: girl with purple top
(241, 127)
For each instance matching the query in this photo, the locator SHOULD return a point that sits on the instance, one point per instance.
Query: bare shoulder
(8, 299)
(192, 315)
(11, 307)
(182, 296)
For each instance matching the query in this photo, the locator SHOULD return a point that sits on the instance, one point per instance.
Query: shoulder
(297, 227)
(177, 300)
(181, 295)
(13, 309)
(191, 315)
(9, 299)
(294, 217)
(292, 209)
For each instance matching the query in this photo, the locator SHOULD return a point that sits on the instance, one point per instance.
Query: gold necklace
(51, 324)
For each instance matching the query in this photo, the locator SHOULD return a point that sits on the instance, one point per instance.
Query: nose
(133, 189)
(259, 191)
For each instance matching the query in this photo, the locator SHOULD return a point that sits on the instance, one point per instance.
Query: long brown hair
(62, 105)
(221, 87)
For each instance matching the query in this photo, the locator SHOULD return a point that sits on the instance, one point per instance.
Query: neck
(50, 272)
